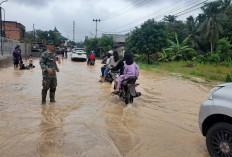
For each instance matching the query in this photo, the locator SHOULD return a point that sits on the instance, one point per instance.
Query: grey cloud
(35, 3)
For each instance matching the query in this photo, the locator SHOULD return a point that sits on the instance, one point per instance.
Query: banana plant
(177, 50)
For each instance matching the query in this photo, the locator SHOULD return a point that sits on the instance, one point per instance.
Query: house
(13, 30)
(120, 42)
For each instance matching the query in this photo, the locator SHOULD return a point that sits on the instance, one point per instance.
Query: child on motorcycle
(131, 69)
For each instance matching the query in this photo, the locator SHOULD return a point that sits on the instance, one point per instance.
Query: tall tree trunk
(211, 44)
(148, 58)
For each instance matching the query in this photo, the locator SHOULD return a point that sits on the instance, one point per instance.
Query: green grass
(208, 72)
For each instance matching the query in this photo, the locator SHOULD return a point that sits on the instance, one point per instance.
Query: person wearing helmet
(111, 62)
(91, 57)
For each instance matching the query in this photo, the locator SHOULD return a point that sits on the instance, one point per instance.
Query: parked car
(215, 120)
(78, 54)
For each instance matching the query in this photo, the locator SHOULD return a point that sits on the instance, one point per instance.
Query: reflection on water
(88, 121)
(51, 141)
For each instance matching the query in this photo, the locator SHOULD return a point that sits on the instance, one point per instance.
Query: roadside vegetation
(200, 46)
(190, 69)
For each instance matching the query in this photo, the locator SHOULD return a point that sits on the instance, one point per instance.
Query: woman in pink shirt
(131, 69)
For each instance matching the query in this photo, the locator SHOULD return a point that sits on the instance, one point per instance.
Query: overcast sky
(118, 16)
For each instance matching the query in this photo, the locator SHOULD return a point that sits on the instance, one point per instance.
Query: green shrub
(190, 55)
(224, 49)
(214, 59)
(226, 64)
(142, 58)
(200, 59)
(228, 78)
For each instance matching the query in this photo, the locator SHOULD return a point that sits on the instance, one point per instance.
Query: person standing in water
(49, 69)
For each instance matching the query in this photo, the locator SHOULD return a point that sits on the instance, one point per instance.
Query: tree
(210, 28)
(178, 27)
(224, 49)
(92, 45)
(106, 43)
(148, 39)
(29, 37)
(227, 23)
(225, 4)
(170, 18)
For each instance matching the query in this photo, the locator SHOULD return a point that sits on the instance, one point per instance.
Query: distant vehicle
(78, 54)
(215, 120)
(69, 49)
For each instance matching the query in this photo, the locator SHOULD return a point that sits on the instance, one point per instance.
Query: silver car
(215, 121)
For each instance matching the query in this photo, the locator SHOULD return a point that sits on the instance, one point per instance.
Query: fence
(8, 46)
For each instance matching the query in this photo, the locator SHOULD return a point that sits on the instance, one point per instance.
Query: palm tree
(225, 4)
(210, 28)
(194, 40)
(170, 18)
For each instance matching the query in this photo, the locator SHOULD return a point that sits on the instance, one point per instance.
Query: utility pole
(1, 27)
(96, 25)
(1, 22)
(34, 33)
(74, 31)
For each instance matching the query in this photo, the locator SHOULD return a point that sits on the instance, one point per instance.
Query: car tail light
(74, 52)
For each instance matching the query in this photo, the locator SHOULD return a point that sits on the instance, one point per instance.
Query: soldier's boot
(52, 95)
(44, 95)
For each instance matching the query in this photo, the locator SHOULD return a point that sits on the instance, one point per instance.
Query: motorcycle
(91, 62)
(127, 92)
(110, 76)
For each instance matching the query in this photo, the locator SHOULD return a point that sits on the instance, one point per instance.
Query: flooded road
(88, 121)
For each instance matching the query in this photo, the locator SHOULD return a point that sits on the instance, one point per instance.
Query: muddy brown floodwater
(88, 121)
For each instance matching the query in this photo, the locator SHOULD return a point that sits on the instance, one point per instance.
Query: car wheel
(219, 140)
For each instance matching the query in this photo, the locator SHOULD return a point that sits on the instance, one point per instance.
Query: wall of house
(8, 46)
(13, 30)
(120, 50)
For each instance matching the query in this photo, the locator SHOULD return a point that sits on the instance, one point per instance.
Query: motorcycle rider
(104, 61)
(119, 67)
(91, 57)
(111, 62)
(131, 69)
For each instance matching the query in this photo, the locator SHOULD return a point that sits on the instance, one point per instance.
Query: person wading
(49, 69)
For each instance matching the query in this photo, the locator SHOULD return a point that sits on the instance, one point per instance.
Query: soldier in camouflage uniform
(49, 69)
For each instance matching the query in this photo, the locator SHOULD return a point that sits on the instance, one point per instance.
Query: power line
(116, 12)
(127, 9)
(74, 30)
(130, 9)
(155, 12)
(170, 11)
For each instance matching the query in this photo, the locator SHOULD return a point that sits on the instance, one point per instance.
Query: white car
(215, 120)
(78, 54)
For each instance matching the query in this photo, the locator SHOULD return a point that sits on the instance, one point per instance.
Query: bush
(226, 64)
(213, 59)
(224, 49)
(200, 59)
(191, 55)
(142, 58)
(228, 78)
